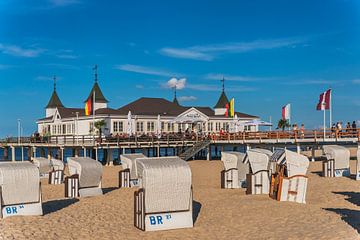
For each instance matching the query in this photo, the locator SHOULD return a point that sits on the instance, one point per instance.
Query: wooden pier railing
(310, 135)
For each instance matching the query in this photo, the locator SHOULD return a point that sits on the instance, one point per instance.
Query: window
(68, 128)
(53, 129)
(210, 126)
(162, 126)
(150, 126)
(218, 126)
(73, 128)
(59, 129)
(91, 126)
(121, 126)
(139, 126)
(115, 127)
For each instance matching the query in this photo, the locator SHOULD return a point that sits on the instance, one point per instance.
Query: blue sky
(270, 52)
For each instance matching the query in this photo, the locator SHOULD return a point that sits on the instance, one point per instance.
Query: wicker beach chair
(234, 173)
(337, 163)
(289, 183)
(128, 177)
(258, 179)
(85, 177)
(52, 169)
(20, 190)
(164, 200)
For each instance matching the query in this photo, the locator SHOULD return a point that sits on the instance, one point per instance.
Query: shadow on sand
(351, 217)
(196, 210)
(56, 205)
(353, 197)
(110, 189)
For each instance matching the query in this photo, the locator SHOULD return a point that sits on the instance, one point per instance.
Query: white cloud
(356, 81)
(67, 56)
(47, 78)
(209, 52)
(178, 83)
(217, 88)
(217, 76)
(139, 86)
(63, 3)
(187, 98)
(186, 53)
(311, 82)
(144, 70)
(18, 51)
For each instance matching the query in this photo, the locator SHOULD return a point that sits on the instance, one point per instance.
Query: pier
(187, 146)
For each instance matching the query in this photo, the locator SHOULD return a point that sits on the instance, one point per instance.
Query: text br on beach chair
(289, 183)
(20, 191)
(337, 163)
(128, 177)
(164, 200)
(85, 179)
(234, 173)
(258, 179)
(50, 168)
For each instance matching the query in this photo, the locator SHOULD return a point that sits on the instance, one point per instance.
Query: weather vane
(95, 68)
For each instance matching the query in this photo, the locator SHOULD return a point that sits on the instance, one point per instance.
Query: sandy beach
(332, 212)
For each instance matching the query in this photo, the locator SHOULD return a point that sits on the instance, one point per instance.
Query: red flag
(324, 100)
(227, 110)
(89, 106)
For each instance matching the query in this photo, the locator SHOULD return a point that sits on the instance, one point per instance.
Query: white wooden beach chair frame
(21, 209)
(155, 221)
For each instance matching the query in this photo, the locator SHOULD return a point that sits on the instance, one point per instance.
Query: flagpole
(330, 108)
(93, 106)
(324, 123)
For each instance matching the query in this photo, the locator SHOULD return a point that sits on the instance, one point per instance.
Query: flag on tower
(89, 105)
(232, 108)
(324, 101)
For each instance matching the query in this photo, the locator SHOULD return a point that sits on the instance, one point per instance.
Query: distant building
(174, 118)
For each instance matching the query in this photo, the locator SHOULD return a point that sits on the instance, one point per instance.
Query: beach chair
(234, 173)
(164, 200)
(20, 190)
(258, 179)
(337, 163)
(289, 183)
(128, 177)
(44, 166)
(85, 177)
(52, 169)
(358, 164)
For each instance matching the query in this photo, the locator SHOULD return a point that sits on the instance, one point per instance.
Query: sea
(23, 153)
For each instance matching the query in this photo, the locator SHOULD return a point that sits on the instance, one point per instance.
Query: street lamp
(19, 129)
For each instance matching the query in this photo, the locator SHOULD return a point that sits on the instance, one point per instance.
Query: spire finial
(95, 68)
(223, 84)
(175, 91)
(54, 82)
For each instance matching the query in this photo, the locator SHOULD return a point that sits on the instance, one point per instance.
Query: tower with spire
(53, 103)
(220, 107)
(100, 101)
(175, 98)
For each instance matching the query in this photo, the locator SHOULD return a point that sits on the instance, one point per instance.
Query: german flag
(89, 106)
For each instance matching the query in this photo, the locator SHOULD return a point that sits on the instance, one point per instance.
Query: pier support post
(248, 147)
(298, 148)
(208, 153)
(34, 152)
(96, 154)
(84, 152)
(29, 152)
(49, 153)
(6, 153)
(13, 153)
(110, 158)
(313, 154)
(158, 151)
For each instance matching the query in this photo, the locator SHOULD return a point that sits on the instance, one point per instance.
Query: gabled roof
(99, 96)
(54, 101)
(223, 100)
(152, 106)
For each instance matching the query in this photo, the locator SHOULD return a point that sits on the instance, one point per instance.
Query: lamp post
(19, 127)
